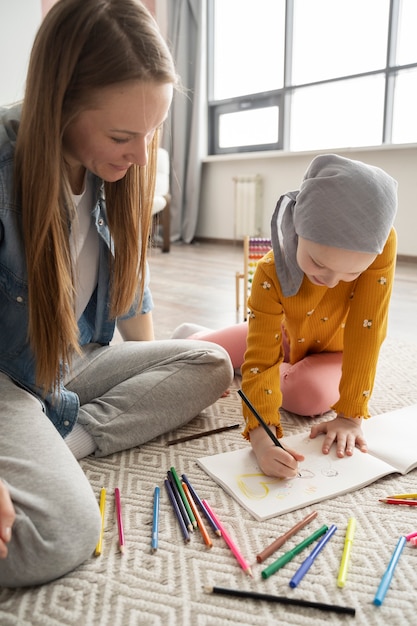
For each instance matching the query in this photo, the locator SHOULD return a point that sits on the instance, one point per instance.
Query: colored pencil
(197, 499)
(177, 511)
(197, 516)
(260, 420)
(180, 502)
(99, 546)
(183, 497)
(229, 541)
(253, 595)
(119, 520)
(404, 496)
(403, 502)
(411, 536)
(204, 433)
(275, 545)
(155, 519)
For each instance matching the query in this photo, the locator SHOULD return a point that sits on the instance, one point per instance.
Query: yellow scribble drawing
(255, 486)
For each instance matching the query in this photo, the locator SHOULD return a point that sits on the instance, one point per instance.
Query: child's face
(327, 266)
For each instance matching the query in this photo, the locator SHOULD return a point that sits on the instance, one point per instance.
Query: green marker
(285, 558)
(184, 497)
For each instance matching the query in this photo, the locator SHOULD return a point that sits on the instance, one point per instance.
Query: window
(311, 74)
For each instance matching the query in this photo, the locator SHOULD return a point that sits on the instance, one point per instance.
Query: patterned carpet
(167, 587)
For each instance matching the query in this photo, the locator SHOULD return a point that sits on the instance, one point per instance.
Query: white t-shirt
(84, 246)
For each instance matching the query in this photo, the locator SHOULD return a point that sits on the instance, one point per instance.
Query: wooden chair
(161, 210)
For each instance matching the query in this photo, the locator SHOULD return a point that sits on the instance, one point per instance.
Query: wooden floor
(196, 283)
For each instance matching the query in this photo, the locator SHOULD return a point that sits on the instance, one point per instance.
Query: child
(318, 308)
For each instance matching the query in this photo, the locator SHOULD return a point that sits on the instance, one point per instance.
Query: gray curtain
(186, 139)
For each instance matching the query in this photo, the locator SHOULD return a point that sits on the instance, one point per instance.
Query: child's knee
(311, 386)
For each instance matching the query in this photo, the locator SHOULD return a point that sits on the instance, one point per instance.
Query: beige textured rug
(166, 588)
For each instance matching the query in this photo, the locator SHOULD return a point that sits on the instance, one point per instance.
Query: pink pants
(309, 387)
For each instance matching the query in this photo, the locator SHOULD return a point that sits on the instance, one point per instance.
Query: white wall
(283, 172)
(19, 21)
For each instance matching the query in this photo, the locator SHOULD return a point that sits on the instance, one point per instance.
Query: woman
(77, 171)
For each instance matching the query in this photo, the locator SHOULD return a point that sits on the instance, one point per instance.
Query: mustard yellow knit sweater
(349, 318)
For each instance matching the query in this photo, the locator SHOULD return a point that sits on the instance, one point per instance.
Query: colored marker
(288, 556)
(275, 545)
(305, 566)
(350, 531)
(387, 577)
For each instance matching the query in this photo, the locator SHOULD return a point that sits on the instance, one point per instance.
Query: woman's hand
(272, 460)
(7, 517)
(345, 432)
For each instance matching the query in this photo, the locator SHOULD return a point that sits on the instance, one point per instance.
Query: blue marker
(387, 577)
(305, 566)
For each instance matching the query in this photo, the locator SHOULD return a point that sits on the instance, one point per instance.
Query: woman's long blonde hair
(81, 47)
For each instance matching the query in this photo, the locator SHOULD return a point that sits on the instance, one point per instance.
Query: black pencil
(204, 433)
(253, 595)
(260, 420)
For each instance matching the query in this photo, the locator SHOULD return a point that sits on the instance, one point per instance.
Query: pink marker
(413, 541)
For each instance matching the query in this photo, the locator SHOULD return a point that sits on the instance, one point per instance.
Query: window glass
(338, 38)
(249, 128)
(248, 44)
(404, 128)
(338, 114)
(407, 40)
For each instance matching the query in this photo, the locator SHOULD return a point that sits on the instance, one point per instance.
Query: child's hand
(345, 432)
(274, 461)
(7, 517)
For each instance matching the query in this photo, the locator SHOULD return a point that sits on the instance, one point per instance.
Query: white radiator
(248, 205)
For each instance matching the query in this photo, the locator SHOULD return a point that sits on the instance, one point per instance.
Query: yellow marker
(99, 545)
(350, 531)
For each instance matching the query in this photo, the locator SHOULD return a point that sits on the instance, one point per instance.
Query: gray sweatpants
(129, 394)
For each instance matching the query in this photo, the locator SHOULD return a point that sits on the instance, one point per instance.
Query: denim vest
(95, 326)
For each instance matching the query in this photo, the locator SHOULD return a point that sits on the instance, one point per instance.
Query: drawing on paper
(257, 486)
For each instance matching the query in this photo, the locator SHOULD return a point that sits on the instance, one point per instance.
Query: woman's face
(115, 132)
(327, 266)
